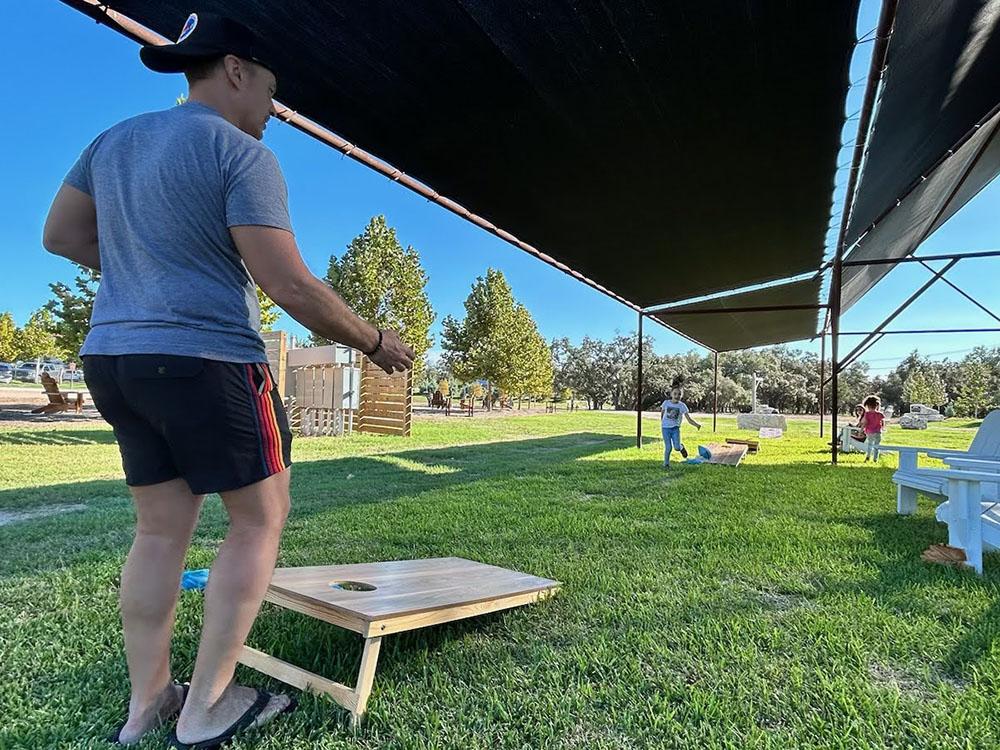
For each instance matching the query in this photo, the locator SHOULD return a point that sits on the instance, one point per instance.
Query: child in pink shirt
(872, 420)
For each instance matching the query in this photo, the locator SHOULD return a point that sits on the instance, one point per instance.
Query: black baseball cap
(203, 37)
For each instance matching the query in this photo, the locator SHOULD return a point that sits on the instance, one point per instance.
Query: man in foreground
(182, 211)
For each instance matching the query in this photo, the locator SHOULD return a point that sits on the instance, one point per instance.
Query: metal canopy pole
(875, 69)
(729, 310)
(715, 391)
(859, 349)
(822, 376)
(965, 294)
(834, 339)
(638, 395)
(919, 258)
(922, 331)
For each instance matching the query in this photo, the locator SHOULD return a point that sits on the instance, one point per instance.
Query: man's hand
(393, 354)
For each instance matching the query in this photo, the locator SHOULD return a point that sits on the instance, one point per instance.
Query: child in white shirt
(671, 412)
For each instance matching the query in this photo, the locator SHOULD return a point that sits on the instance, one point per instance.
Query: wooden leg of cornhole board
(353, 699)
(366, 676)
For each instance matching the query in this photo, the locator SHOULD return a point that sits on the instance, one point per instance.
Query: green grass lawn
(780, 604)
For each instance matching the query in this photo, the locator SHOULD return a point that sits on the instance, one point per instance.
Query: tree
(8, 337)
(269, 311)
(973, 389)
(586, 369)
(498, 341)
(38, 338)
(924, 386)
(385, 284)
(533, 372)
(72, 310)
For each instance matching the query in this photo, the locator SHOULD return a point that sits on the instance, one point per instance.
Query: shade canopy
(926, 156)
(664, 150)
(725, 331)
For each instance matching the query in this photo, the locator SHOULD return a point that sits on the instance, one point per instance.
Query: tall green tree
(269, 311)
(498, 341)
(533, 360)
(37, 338)
(924, 386)
(71, 310)
(386, 285)
(973, 388)
(8, 337)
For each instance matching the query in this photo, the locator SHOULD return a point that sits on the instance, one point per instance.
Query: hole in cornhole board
(352, 586)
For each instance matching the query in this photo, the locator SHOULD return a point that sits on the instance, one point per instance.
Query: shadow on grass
(901, 579)
(318, 487)
(57, 437)
(101, 535)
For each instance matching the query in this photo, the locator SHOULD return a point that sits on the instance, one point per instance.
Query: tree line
(604, 373)
(497, 344)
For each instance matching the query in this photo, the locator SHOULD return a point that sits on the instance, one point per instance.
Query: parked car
(24, 371)
(30, 372)
(6, 372)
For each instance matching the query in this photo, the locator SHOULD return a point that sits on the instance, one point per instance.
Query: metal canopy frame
(100, 12)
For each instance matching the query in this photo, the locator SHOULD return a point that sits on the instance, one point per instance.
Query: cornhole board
(382, 598)
(727, 455)
(753, 446)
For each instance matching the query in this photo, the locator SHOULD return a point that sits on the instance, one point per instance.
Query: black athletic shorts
(218, 425)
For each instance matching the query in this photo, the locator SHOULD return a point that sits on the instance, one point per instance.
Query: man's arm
(274, 262)
(71, 228)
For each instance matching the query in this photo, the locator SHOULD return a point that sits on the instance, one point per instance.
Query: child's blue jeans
(671, 441)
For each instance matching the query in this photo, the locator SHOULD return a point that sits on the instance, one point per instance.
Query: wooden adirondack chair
(58, 401)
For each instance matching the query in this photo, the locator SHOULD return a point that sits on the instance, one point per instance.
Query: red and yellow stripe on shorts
(263, 396)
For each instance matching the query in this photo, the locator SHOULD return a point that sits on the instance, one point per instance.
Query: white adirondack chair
(848, 443)
(970, 488)
(973, 524)
(910, 479)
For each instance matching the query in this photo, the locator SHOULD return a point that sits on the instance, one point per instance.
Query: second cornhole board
(382, 598)
(753, 446)
(727, 455)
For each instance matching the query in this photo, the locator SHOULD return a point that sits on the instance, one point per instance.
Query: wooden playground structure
(334, 390)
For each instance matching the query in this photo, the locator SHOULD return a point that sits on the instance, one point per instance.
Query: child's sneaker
(684, 451)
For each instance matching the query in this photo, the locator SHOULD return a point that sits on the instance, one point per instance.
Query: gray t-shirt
(167, 186)
(673, 412)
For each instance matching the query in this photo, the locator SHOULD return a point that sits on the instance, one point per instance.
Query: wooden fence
(386, 405)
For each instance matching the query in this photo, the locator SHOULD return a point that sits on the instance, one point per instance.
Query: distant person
(873, 421)
(858, 431)
(183, 211)
(671, 412)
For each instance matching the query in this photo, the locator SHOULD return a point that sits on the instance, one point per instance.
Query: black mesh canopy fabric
(726, 331)
(664, 150)
(942, 78)
(924, 209)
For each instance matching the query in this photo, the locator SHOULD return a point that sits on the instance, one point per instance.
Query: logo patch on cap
(189, 26)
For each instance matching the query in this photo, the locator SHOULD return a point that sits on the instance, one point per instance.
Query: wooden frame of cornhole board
(382, 598)
(727, 454)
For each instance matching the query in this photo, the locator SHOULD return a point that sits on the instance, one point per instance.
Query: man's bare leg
(166, 516)
(236, 588)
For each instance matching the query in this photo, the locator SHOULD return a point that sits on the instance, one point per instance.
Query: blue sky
(69, 78)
